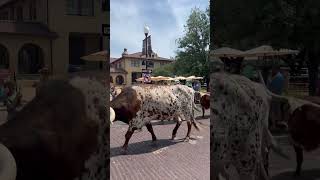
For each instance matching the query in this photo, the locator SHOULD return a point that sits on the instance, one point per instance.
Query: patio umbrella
(288, 52)
(139, 79)
(180, 78)
(226, 52)
(159, 78)
(265, 50)
(170, 79)
(97, 57)
(193, 78)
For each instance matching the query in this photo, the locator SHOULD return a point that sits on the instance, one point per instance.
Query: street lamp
(146, 32)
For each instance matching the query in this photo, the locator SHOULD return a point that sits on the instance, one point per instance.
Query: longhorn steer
(61, 134)
(205, 103)
(138, 105)
(304, 126)
(239, 119)
(302, 122)
(304, 129)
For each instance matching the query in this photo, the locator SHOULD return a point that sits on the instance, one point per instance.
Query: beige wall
(60, 22)
(126, 65)
(15, 43)
(129, 69)
(63, 24)
(60, 54)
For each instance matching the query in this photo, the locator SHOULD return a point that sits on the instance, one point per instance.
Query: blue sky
(165, 18)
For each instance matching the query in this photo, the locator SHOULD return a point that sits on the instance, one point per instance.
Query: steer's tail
(274, 145)
(195, 124)
(196, 107)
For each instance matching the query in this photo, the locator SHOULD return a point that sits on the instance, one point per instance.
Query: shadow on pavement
(203, 118)
(143, 147)
(311, 174)
(166, 122)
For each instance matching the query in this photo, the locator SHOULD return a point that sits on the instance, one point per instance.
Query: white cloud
(166, 20)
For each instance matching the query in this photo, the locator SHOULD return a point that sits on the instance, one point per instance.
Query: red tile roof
(113, 59)
(140, 55)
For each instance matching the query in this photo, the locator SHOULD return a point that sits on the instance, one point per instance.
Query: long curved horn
(8, 170)
(112, 115)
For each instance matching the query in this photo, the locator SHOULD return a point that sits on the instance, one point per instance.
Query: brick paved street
(167, 160)
(281, 169)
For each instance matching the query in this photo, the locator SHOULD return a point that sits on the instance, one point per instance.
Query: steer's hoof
(186, 139)
(124, 150)
(296, 174)
(154, 144)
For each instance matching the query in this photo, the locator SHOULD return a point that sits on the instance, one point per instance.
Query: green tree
(191, 58)
(165, 70)
(282, 23)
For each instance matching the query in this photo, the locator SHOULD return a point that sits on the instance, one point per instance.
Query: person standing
(277, 81)
(276, 86)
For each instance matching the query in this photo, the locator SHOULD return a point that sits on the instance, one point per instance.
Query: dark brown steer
(205, 103)
(54, 136)
(304, 129)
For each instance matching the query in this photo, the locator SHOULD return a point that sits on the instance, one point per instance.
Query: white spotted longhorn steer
(239, 119)
(138, 105)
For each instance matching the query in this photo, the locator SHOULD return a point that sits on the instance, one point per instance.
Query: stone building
(51, 33)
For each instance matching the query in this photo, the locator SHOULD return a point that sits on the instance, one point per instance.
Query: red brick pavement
(166, 160)
(282, 169)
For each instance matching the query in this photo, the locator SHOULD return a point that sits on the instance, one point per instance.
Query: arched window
(4, 57)
(30, 59)
(119, 80)
(111, 79)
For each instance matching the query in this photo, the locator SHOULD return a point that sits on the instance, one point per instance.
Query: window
(150, 64)
(118, 65)
(105, 6)
(4, 57)
(80, 7)
(12, 14)
(135, 63)
(119, 80)
(32, 10)
(30, 59)
(19, 14)
(4, 16)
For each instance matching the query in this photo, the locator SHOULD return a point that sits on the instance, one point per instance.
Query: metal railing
(298, 89)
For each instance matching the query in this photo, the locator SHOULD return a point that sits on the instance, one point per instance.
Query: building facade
(51, 33)
(129, 67)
